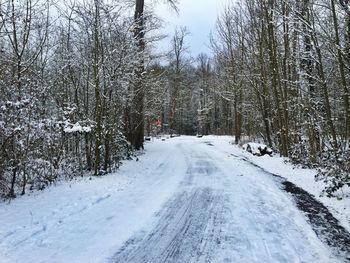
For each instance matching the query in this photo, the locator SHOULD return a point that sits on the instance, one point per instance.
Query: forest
(82, 83)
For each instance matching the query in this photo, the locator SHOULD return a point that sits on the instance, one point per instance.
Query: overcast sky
(199, 16)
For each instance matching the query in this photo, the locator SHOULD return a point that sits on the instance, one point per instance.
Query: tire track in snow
(187, 231)
(189, 225)
(221, 216)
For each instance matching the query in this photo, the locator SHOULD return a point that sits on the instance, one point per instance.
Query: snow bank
(72, 221)
(304, 178)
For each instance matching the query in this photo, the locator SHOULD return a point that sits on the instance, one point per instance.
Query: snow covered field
(187, 199)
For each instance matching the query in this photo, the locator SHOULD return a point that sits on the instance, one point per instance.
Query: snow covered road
(224, 212)
(186, 200)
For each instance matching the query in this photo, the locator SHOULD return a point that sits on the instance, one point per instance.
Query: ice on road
(186, 200)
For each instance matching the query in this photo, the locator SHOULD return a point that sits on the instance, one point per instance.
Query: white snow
(90, 219)
(76, 127)
(86, 221)
(304, 178)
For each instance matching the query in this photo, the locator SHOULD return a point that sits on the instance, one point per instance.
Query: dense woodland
(82, 83)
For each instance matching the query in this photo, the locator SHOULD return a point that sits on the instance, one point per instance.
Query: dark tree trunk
(98, 103)
(135, 131)
(342, 72)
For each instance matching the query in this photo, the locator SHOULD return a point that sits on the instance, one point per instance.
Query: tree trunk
(137, 119)
(98, 106)
(342, 72)
(275, 80)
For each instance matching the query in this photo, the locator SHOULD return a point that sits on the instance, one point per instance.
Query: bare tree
(135, 111)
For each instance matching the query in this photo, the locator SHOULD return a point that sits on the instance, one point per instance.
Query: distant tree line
(81, 84)
(280, 73)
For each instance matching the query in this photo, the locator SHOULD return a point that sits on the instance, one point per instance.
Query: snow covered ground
(86, 221)
(187, 199)
(304, 178)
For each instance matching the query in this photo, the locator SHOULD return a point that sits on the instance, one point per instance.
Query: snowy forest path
(186, 199)
(224, 210)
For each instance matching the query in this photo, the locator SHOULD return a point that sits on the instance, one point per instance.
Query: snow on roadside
(72, 222)
(304, 178)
